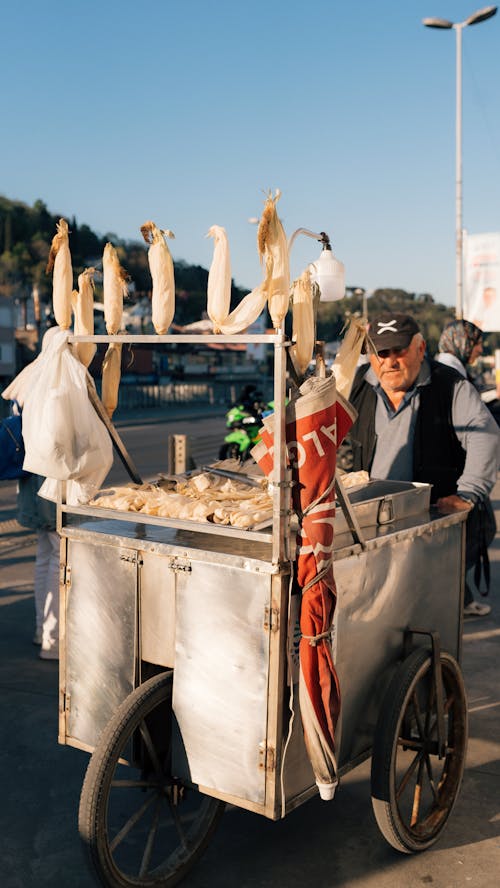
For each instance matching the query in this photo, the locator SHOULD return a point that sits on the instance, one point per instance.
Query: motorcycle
(243, 420)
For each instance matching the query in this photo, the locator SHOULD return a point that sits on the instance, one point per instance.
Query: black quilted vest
(438, 456)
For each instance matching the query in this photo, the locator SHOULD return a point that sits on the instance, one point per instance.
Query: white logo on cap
(389, 327)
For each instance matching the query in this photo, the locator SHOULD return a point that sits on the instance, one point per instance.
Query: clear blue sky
(186, 112)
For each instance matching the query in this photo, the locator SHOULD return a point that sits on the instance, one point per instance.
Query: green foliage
(431, 317)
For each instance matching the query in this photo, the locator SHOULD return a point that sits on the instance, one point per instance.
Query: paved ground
(324, 845)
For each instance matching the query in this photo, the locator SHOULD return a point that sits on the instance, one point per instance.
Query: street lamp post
(480, 16)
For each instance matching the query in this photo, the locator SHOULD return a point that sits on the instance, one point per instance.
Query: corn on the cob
(219, 279)
(114, 287)
(303, 328)
(273, 249)
(246, 312)
(111, 373)
(83, 308)
(62, 278)
(346, 362)
(161, 267)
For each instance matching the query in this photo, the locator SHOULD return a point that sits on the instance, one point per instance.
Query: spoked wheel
(413, 788)
(139, 825)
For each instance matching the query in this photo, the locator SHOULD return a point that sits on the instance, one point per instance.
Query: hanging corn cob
(62, 279)
(273, 249)
(111, 373)
(346, 362)
(219, 291)
(303, 326)
(83, 308)
(246, 312)
(161, 267)
(115, 288)
(219, 279)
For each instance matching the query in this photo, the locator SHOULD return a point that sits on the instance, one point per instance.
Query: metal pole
(458, 177)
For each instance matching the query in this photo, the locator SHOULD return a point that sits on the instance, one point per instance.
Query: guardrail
(210, 391)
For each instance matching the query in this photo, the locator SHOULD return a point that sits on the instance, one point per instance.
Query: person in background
(419, 420)
(460, 344)
(39, 514)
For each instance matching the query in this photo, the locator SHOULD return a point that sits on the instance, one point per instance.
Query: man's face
(397, 369)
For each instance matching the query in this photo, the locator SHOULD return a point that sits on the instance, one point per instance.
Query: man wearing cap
(419, 420)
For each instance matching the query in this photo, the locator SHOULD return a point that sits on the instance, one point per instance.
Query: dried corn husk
(303, 327)
(219, 279)
(111, 373)
(161, 267)
(344, 365)
(114, 287)
(246, 312)
(83, 308)
(62, 278)
(273, 249)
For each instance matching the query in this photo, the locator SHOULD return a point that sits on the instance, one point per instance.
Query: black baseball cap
(392, 330)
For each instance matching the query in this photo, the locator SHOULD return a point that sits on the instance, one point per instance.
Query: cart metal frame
(126, 580)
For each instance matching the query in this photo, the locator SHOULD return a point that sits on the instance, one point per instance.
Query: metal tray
(382, 502)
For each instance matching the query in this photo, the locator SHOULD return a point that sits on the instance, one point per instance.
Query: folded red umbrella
(316, 423)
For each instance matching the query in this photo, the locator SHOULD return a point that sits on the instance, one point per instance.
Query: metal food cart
(178, 643)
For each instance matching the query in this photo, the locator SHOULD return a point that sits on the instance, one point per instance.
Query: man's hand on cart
(453, 503)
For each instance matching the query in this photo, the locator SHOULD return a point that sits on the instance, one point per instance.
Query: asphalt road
(328, 845)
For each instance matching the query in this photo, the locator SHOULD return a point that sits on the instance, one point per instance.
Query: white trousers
(47, 589)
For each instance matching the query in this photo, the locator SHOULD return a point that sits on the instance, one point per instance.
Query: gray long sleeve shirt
(474, 426)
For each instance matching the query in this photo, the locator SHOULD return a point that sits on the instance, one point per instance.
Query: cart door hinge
(65, 575)
(66, 702)
(271, 619)
(267, 757)
(177, 566)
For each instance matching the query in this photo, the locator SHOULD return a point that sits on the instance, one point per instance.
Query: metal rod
(458, 178)
(349, 513)
(118, 444)
(187, 338)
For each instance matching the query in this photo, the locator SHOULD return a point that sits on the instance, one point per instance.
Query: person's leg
(472, 608)
(50, 635)
(43, 552)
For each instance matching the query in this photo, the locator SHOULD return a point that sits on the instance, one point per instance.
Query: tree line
(25, 237)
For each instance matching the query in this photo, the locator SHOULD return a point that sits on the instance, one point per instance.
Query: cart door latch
(267, 757)
(178, 566)
(385, 511)
(132, 557)
(271, 619)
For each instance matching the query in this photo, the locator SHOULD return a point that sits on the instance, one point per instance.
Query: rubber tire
(93, 812)
(230, 451)
(392, 823)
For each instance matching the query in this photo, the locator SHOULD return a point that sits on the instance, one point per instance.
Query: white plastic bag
(63, 436)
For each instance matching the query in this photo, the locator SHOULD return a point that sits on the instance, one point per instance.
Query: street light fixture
(480, 16)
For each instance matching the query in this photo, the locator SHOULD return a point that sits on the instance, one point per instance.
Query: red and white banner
(481, 298)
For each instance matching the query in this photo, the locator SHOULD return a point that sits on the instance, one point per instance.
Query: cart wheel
(139, 825)
(413, 789)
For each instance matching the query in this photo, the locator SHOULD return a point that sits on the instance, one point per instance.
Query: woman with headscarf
(460, 344)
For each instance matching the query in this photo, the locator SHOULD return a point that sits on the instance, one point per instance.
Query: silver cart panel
(228, 648)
